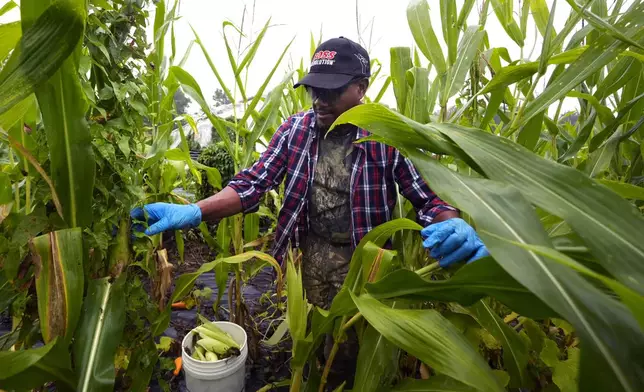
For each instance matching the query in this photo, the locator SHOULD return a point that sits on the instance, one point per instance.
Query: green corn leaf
(296, 313)
(231, 59)
(418, 79)
(421, 28)
(599, 160)
(383, 90)
(601, 25)
(260, 92)
(626, 69)
(515, 352)
(467, 52)
(268, 115)
(63, 107)
(541, 15)
(59, 282)
(514, 73)
(464, 13)
(432, 339)
(523, 18)
(9, 35)
(28, 369)
(599, 54)
(377, 362)
(547, 40)
(436, 383)
(433, 95)
(378, 236)
(381, 119)
(504, 12)
(7, 7)
(226, 90)
(601, 322)
(492, 107)
(99, 334)
(627, 191)
(159, 32)
(9, 118)
(178, 237)
(603, 112)
(223, 240)
(41, 50)
(593, 212)
(633, 300)
(450, 29)
(576, 199)
(251, 227)
(582, 138)
(192, 88)
(250, 55)
(376, 262)
(400, 64)
(277, 336)
(469, 284)
(186, 282)
(611, 128)
(530, 133)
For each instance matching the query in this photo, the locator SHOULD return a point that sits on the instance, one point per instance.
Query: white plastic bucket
(225, 375)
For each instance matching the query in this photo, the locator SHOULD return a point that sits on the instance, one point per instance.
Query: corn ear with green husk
(211, 357)
(213, 345)
(120, 252)
(217, 335)
(212, 330)
(58, 257)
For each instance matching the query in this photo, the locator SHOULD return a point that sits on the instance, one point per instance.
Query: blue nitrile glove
(167, 216)
(453, 240)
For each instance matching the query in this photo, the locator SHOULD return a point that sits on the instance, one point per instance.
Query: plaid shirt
(376, 168)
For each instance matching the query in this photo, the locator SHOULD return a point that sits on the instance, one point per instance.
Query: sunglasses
(329, 96)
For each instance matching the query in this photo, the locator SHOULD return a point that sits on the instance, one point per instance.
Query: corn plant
(80, 156)
(555, 201)
(261, 115)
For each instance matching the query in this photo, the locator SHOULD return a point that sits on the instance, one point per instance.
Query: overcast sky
(299, 18)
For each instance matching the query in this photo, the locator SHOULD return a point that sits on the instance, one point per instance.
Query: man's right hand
(167, 216)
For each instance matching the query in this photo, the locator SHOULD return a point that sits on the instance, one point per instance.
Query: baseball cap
(335, 63)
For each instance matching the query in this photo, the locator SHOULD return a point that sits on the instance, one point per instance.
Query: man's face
(328, 105)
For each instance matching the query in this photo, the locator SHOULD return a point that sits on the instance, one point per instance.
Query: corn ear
(200, 352)
(216, 332)
(213, 345)
(222, 337)
(211, 357)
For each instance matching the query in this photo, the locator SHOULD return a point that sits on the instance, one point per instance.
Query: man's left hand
(452, 241)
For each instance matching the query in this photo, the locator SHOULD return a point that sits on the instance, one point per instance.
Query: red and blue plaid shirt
(292, 152)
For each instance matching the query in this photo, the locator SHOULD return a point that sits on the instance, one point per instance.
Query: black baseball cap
(335, 63)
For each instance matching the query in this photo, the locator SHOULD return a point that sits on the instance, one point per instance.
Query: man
(336, 191)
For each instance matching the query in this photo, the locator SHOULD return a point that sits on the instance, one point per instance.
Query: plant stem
(27, 194)
(238, 296)
(327, 366)
(352, 321)
(427, 269)
(519, 112)
(556, 119)
(296, 380)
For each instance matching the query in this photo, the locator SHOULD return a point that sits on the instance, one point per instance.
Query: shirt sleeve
(265, 174)
(416, 190)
